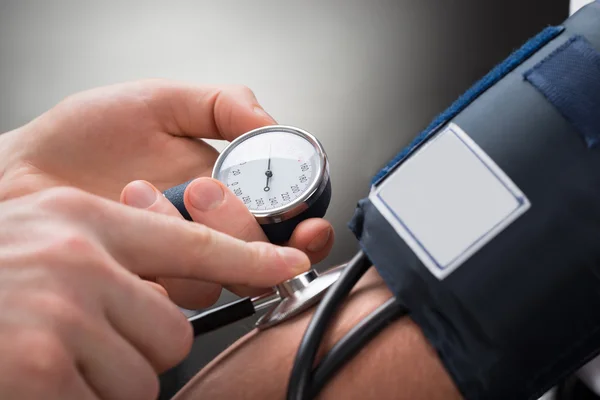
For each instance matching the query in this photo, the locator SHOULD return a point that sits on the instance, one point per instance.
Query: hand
(102, 139)
(212, 204)
(77, 322)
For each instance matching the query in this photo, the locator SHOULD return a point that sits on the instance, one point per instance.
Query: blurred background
(364, 76)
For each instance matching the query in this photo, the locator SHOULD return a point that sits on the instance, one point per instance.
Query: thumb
(209, 112)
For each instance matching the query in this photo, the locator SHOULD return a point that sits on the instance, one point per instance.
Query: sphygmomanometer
(486, 228)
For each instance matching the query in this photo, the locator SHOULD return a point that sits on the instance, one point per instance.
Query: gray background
(365, 76)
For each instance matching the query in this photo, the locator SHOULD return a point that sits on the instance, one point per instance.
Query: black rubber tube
(300, 380)
(354, 341)
(221, 316)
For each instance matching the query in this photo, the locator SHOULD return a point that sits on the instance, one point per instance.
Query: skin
(89, 284)
(397, 364)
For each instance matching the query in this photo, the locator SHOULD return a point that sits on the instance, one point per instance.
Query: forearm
(397, 364)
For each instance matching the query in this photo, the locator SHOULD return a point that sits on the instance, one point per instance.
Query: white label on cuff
(447, 200)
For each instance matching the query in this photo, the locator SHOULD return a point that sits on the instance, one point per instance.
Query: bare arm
(397, 364)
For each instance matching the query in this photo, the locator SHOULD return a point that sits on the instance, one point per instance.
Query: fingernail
(206, 194)
(140, 194)
(262, 113)
(319, 243)
(294, 259)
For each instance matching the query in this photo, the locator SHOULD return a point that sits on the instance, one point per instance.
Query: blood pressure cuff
(487, 226)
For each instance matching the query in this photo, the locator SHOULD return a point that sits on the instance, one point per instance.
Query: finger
(152, 323)
(79, 389)
(70, 332)
(190, 294)
(143, 195)
(158, 288)
(211, 203)
(112, 367)
(211, 112)
(315, 237)
(36, 365)
(152, 244)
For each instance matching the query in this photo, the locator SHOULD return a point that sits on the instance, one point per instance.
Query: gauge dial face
(271, 170)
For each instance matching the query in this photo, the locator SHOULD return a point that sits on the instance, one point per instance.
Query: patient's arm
(397, 364)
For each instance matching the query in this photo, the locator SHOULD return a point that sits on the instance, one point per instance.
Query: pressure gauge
(280, 173)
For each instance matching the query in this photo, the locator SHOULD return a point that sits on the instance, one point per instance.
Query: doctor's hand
(212, 204)
(101, 139)
(77, 322)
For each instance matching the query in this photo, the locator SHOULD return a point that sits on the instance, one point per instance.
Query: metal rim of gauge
(310, 195)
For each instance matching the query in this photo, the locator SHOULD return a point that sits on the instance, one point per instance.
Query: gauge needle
(268, 172)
